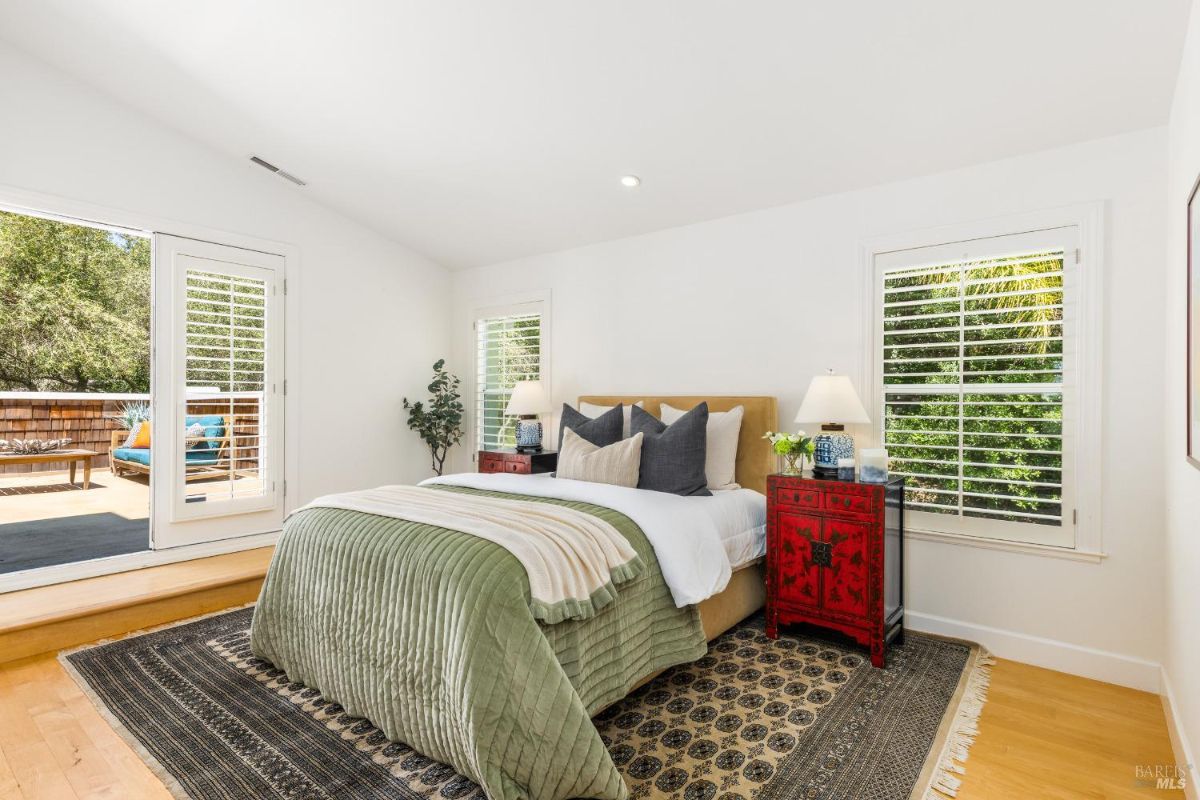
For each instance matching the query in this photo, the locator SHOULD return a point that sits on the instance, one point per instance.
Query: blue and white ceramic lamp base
(529, 434)
(829, 446)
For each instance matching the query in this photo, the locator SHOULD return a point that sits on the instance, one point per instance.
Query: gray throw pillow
(601, 431)
(673, 455)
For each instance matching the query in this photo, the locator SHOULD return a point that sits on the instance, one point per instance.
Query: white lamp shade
(528, 399)
(831, 398)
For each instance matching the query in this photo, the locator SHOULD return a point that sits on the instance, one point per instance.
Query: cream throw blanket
(573, 559)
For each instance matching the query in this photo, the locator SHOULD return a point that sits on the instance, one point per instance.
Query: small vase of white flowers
(794, 447)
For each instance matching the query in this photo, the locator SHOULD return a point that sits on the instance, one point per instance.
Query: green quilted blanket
(428, 633)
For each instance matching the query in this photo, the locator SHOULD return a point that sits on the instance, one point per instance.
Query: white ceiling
(478, 132)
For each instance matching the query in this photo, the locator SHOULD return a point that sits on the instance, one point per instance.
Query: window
(508, 350)
(976, 370)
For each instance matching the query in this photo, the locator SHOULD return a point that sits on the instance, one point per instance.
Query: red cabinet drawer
(801, 498)
(845, 503)
(517, 463)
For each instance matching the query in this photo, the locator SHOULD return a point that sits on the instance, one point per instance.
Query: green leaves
(438, 423)
(74, 308)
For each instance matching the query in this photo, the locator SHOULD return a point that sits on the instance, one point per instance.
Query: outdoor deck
(45, 520)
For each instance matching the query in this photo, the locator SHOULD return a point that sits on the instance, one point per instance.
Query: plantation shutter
(976, 382)
(226, 374)
(508, 350)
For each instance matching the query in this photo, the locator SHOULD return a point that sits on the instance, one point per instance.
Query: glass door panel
(223, 455)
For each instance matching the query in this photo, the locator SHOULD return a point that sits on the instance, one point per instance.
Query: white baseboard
(1179, 741)
(1088, 662)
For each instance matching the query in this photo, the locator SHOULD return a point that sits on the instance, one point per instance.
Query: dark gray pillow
(601, 431)
(673, 455)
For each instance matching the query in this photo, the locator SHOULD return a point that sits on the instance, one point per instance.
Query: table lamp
(527, 401)
(831, 401)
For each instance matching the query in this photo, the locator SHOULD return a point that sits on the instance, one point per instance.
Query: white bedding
(742, 524)
(698, 541)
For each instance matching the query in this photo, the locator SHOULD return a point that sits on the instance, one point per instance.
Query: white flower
(801, 434)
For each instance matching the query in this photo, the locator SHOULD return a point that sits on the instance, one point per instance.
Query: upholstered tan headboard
(755, 459)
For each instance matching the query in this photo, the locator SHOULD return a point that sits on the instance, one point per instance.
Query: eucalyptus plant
(438, 423)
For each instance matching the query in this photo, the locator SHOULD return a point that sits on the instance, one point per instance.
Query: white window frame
(1085, 224)
(529, 303)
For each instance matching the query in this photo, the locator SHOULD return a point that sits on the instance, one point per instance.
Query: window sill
(1048, 551)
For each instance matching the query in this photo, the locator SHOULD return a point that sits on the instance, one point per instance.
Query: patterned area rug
(755, 719)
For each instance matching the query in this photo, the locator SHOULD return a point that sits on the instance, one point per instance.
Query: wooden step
(50, 618)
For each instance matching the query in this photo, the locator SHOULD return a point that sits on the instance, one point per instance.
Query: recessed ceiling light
(631, 181)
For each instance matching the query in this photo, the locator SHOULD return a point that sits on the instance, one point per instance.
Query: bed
(429, 632)
(746, 591)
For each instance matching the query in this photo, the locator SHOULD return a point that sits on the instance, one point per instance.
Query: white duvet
(693, 537)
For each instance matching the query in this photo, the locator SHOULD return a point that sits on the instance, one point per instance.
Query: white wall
(760, 302)
(1182, 636)
(374, 312)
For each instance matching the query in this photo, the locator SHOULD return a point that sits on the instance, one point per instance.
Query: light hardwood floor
(1043, 736)
(53, 617)
(1047, 735)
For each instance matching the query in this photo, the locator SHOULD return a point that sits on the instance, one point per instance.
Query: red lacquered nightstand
(835, 557)
(517, 463)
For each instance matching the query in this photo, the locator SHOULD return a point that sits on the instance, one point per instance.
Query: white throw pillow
(593, 411)
(721, 444)
(618, 464)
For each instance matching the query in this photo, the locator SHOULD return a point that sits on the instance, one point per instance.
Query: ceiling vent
(286, 175)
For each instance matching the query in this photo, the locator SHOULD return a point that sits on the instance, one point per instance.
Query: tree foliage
(74, 308)
(439, 424)
(1008, 360)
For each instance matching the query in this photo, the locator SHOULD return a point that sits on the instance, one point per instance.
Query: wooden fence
(86, 422)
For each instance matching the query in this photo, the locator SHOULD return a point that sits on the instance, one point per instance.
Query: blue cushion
(141, 455)
(214, 428)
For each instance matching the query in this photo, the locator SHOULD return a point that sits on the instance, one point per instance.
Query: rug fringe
(174, 787)
(963, 730)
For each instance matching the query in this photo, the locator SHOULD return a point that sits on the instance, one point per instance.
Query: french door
(217, 447)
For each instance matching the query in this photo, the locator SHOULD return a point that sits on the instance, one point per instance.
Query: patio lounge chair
(206, 457)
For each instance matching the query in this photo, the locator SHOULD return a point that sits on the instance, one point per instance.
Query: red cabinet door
(847, 575)
(799, 577)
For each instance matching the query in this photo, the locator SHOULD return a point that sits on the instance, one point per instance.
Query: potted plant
(794, 447)
(131, 414)
(440, 423)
